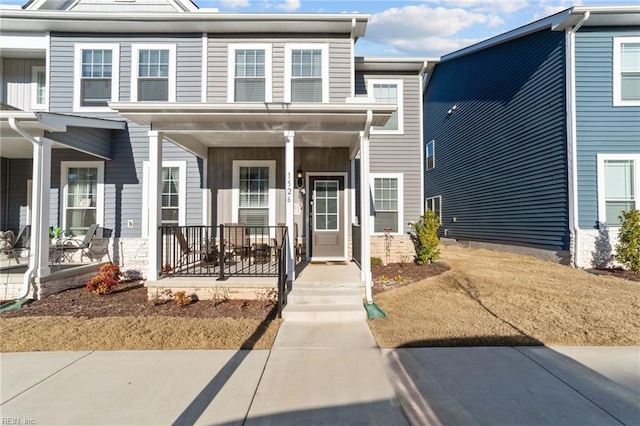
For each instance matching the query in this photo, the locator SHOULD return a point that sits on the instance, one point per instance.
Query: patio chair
(208, 253)
(236, 243)
(71, 246)
(20, 244)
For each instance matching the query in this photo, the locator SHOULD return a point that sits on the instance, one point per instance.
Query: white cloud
(288, 5)
(544, 8)
(234, 4)
(490, 6)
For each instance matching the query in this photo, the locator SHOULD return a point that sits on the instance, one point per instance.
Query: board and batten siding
(17, 81)
(601, 127)
(17, 173)
(188, 69)
(390, 153)
(500, 157)
(340, 63)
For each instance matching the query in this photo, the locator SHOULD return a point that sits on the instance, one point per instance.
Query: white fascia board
(186, 107)
(23, 41)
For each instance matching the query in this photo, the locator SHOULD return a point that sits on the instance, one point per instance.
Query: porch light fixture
(299, 177)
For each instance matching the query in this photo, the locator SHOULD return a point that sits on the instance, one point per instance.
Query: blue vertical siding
(601, 127)
(500, 157)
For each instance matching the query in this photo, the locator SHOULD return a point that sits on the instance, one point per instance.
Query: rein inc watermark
(17, 421)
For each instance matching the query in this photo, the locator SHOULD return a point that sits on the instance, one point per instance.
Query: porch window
(96, 76)
(253, 209)
(434, 204)
(39, 88)
(626, 71)
(173, 200)
(387, 200)
(170, 196)
(154, 73)
(388, 92)
(83, 199)
(306, 73)
(618, 180)
(326, 205)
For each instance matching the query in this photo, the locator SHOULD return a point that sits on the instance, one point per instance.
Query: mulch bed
(617, 272)
(130, 299)
(396, 275)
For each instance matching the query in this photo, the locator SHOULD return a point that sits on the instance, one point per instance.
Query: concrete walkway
(323, 376)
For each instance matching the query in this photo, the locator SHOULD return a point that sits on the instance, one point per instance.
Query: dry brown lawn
(496, 298)
(65, 333)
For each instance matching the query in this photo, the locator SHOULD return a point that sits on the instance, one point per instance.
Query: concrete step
(325, 296)
(326, 285)
(330, 313)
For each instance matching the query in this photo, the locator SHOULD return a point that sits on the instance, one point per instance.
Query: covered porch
(280, 185)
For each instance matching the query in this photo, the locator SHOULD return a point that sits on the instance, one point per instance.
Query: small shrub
(182, 299)
(404, 260)
(376, 262)
(628, 247)
(219, 295)
(106, 280)
(424, 235)
(161, 297)
(398, 279)
(268, 296)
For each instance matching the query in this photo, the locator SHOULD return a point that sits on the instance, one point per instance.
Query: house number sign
(289, 188)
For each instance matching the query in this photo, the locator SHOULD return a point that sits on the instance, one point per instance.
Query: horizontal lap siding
(339, 66)
(601, 127)
(501, 165)
(94, 141)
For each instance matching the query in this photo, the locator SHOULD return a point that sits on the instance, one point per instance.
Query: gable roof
(113, 5)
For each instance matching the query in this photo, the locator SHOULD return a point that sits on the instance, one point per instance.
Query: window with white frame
(306, 73)
(326, 215)
(387, 201)
(254, 193)
(434, 204)
(170, 196)
(250, 68)
(96, 76)
(626, 71)
(154, 73)
(388, 92)
(39, 88)
(431, 155)
(173, 196)
(83, 195)
(618, 183)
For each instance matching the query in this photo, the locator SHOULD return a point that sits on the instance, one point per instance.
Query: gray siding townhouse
(170, 124)
(532, 138)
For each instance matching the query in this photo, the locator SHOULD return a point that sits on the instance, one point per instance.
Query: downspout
(35, 242)
(365, 212)
(572, 148)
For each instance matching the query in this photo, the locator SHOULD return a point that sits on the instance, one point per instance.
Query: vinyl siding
(601, 127)
(4, 192)
(390, 153)
(92, 141)
(188, 70)
(18, 172)
(500, 157)
(339, 66)
(17, 76)
(139, 6)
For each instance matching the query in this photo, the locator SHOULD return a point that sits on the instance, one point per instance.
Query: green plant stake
(628, 247)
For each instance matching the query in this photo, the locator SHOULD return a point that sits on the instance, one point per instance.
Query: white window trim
(288, 49)
(135, 61)
(268, 67)
(182, 194)
(235, 193)
(34, 88)
(601, 158)
(372, 187)
(617, 95)
(400, 88)
(439, 212)
(426, 163)
(77, 74)
(64, 172)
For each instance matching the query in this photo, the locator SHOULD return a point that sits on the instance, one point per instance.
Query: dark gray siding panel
(188, 71)
(18, 172)
(601, 127)
(91, 141)
(4, 192)
(501, 164)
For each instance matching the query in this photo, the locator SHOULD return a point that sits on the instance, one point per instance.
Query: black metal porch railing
(223, 251)
(283, 290)
(356, 244)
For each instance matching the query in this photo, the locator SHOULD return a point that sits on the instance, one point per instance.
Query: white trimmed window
(626, 71)
(250, 71)
(173, 196)
(388, 202)
(154, 73)
(96, 73)
(306, 73)
(618, 183)
(253, 197)
(434, 204)
(82, 184)
(388, 92)
(431, 155)
(39, 88)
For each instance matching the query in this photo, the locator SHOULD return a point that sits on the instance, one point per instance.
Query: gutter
(572, 140)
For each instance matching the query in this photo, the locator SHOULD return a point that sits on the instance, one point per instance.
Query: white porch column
(40, 191)
(289, 193)
(365, 216)
(155, 205)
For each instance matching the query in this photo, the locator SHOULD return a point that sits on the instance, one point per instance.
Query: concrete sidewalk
(332, 380)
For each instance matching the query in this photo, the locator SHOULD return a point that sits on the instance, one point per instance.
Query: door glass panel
(326, 205)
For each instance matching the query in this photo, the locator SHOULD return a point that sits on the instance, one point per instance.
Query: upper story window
(431, 155)
(250, 69)
(307, 73)
(626, 71)
(154, 73)
(388, 92)
(618, 183)
(39, 88)
(96, 76)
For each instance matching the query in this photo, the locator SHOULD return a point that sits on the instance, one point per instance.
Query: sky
(417, 28)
